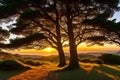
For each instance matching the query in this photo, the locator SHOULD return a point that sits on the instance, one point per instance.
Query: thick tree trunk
(73, 52)
(73, 57)
(73, 48)
(62, 61)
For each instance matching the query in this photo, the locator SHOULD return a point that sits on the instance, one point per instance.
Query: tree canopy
(108, 30)
(4, 34)
(59, 21)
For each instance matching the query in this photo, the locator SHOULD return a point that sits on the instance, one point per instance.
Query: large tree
(108, 31)
(58, 17)
(75, 12)
(35, 16)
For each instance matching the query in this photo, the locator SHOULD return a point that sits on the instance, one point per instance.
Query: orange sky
(81, 49)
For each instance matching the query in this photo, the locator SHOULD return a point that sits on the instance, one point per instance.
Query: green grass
(111, 70)
(88, 72)
(4, 75)
(9, 68)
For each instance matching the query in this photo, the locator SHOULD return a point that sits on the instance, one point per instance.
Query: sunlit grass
(88, 66)
(87, 71)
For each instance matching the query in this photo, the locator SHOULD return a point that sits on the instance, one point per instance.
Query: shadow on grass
(111, 71)
(5, 75)
(96, 73)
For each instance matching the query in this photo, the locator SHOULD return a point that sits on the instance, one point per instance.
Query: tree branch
(51, 44)
(40, 25)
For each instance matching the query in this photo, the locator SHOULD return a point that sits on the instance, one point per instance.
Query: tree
(28, 42)
(109, 31)
(75, 12)
(66, 17)
(29, 14)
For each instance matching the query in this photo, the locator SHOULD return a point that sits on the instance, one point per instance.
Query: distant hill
(86, 56)
(5, 56)
(117, 53)
(51, 58)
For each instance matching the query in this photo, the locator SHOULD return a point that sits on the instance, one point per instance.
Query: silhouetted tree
(75, 12)
(108, 31)
(56, 18)
(28, 42)
(35, 16)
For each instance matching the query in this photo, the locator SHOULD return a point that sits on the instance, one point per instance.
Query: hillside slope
(86, 72)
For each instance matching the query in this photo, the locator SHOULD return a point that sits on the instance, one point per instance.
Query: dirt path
(39, 73)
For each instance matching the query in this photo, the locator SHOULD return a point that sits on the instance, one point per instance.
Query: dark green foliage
(109, 30)
(111, 3)
(32, 62)
(29, 12)
(97, 38)
(16, 43)
(110, 59)
(109, 25)
(11, 65)
(89, 60)
(20, 26)
(38, 2)
(85, 60)
(3, 34)
(11, 7)
(86, 2)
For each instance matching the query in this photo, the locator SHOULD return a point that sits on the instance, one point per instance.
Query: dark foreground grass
(87, 71)
(4, 75)
(100, 72)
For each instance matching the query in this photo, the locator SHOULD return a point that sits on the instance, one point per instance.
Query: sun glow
(48, 49)
(82, 48)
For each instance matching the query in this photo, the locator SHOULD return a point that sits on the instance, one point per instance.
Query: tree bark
(72, 47)
(62, 61)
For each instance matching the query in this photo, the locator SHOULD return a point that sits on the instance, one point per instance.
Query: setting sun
(48, 49)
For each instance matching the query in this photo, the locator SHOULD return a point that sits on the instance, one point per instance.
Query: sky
(83, 48)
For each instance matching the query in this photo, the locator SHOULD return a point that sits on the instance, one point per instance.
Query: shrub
(33, 63)
(85, 60)
(98, 61)
(110, 59)
(92, 60)
(11, 65)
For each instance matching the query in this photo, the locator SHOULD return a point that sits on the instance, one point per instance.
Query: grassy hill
(87, 71)
(48, 70)
(5, 56)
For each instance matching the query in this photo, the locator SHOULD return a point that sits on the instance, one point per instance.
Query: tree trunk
(73, 48)
(62, 61)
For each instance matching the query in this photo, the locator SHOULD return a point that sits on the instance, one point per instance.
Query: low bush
(33, 63)
(91, 60)
(85, 60)
(11, 65)
(110, 59)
